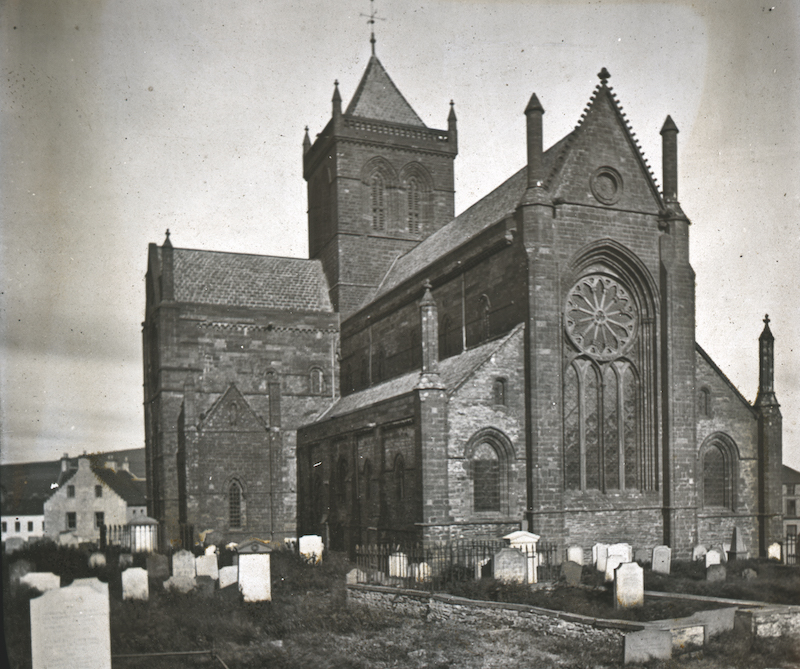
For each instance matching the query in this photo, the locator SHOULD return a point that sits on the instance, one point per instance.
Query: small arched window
(377, 198)
(233, 414)
(486, 478)
(316, 381)
(704, 403)
(399, 478)
(414, 205)
(235, 504)
(499, 392)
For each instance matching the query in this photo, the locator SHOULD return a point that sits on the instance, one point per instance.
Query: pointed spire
(337, 107)
(767, 333)
(451, 117)
(306, 142)
(452, 128)
(167, 243)
(669, 160)
(533, 113)
(534, 105)
(766, 367)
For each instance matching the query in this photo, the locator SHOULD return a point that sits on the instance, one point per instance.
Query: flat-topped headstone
(713, 557)
(183, 564)
(206, 565)
(774, 552)
(311, 547)
(255, 580)
(157, 567)
(628, 586)
(698, 553)
(575, 554)
(42, 581)
(572, 572)
(398, 565)
(622, 551)
(182, 584)
(228, 576)
(716, 572)
(70, 627)
(97, 560)
(662, 559)
(135, 584)
(510, 565)
(612, 563)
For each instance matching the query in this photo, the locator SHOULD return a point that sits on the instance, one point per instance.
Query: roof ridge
(253, 255)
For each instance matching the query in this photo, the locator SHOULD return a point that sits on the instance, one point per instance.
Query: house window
(500, 392)
(791, 531)
(377, 198)
(72, 520)
(5, 526)
(791, 508)
(235, 505)
(399, 478)
(789, 489)
(30, 526)
(715, 485)
(70, 491)
(486, 478)
(414, 201)
(98, 491)
(316, 381)
(16, 526)
(99, 519)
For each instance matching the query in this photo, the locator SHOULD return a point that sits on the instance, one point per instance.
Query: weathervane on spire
(372, 17)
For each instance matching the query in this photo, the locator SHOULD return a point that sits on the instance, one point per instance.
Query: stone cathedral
(530, 363)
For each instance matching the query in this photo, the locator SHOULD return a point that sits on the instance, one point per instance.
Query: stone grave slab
(600, 556)
(311, 547)
(510, 566)
(575, 554)
(205, 585)
(181, 584)
(687, 637)
(698, 553)
(228, 576)
(135, 584)
(16, 571)
(398, 565)
(713, 557)
(158, 567)
(572, 572)
(183, 564)
(526, 542)
(43, 581)
(206, 565)
(255, 582)
(76, 616)
(628, 586)
(774, 552)
(716, 572)
(648, 644)
(97, 560)
(662, 559)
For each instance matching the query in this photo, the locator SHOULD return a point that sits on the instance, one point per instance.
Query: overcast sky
(123, 118)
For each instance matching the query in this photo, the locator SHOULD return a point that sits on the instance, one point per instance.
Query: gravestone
(135, 584)
(572, 572)
(311, 547)
(355, 576)
(211, 550)
(126, 560)
(738, 549)
(611, 564)
(13, 544)
(70, 627)
(600, 556)
(526, 542)
(97, 560)
(183, 564)
(510, 566)
(575, 554)
(628, 586)
(205, 585)
(726, 548)
(716, 572)
(623, 551)
(713, 557)
(749, 574)
(698, 553)
(206, 565)
(43, 581)
(157, 567)
(255, 580)
(228, 576)
(774, 552)
(16, 571)
(421, 572)
(662, 559)
(398, 565)
(181, 584)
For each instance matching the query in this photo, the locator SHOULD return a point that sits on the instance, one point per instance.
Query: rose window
(601, 317)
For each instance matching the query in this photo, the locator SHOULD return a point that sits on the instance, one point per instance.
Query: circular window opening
(606, 185)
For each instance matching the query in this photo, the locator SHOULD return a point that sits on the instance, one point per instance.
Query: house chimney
(126, 467)
(65, 463)
(669, 160)
(337, 107)
(111, 464)
(429, 320)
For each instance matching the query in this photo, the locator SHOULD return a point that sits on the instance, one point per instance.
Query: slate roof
(789, 475)
(377, 98)
(453, 371)
(244, 280)
(122, 483)
(494, 207)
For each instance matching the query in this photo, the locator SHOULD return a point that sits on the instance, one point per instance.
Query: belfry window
(414, 205)
(377, 197)
(235, 504)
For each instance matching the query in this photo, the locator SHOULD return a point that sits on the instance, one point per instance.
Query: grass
(309, 625)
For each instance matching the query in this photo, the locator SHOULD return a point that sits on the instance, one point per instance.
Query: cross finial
(603, 75)
(766, 319)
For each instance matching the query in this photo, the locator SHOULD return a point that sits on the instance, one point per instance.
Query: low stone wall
(771, 621)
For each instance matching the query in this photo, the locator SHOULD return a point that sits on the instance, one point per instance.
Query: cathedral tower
(379, 182)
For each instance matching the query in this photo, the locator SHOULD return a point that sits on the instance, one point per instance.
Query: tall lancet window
(414, 205)
(377, 196)
(235, 504)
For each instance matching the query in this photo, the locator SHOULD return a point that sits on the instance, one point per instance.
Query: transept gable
(231, 413)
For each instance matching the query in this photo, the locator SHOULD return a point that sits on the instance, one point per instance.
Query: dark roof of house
(131, 490)
(239, 279)
(377, 98)
(789, 475)
(501, 203)
(453, 371)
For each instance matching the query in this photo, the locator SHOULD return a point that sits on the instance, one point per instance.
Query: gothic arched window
(414, 205)
(704, 403)
(235, 504)
(316, 381)
(499, 392)
(486, 478)
(718, 471)
(377, 200)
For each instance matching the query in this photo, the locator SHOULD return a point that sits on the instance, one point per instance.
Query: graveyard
(304, 611)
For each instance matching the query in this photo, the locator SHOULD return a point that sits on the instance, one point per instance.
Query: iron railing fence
(133, 538)
(433, 567)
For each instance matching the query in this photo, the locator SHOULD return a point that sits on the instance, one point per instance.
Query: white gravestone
(698, 553)
(206, 565)
(182, 584)
(41, 580)
(526, 543)
(510, 565)
(398, 565)
(623, 551)
(713, 557)
(97, 560)
(612, 563)
(254, 577)
(228, 576)
(311, 547)
(70, 627)
(135, 584)
(600, 556)
(774, 552)
(662, 559)
(575, 554)
(183, 564)
(628, 586)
